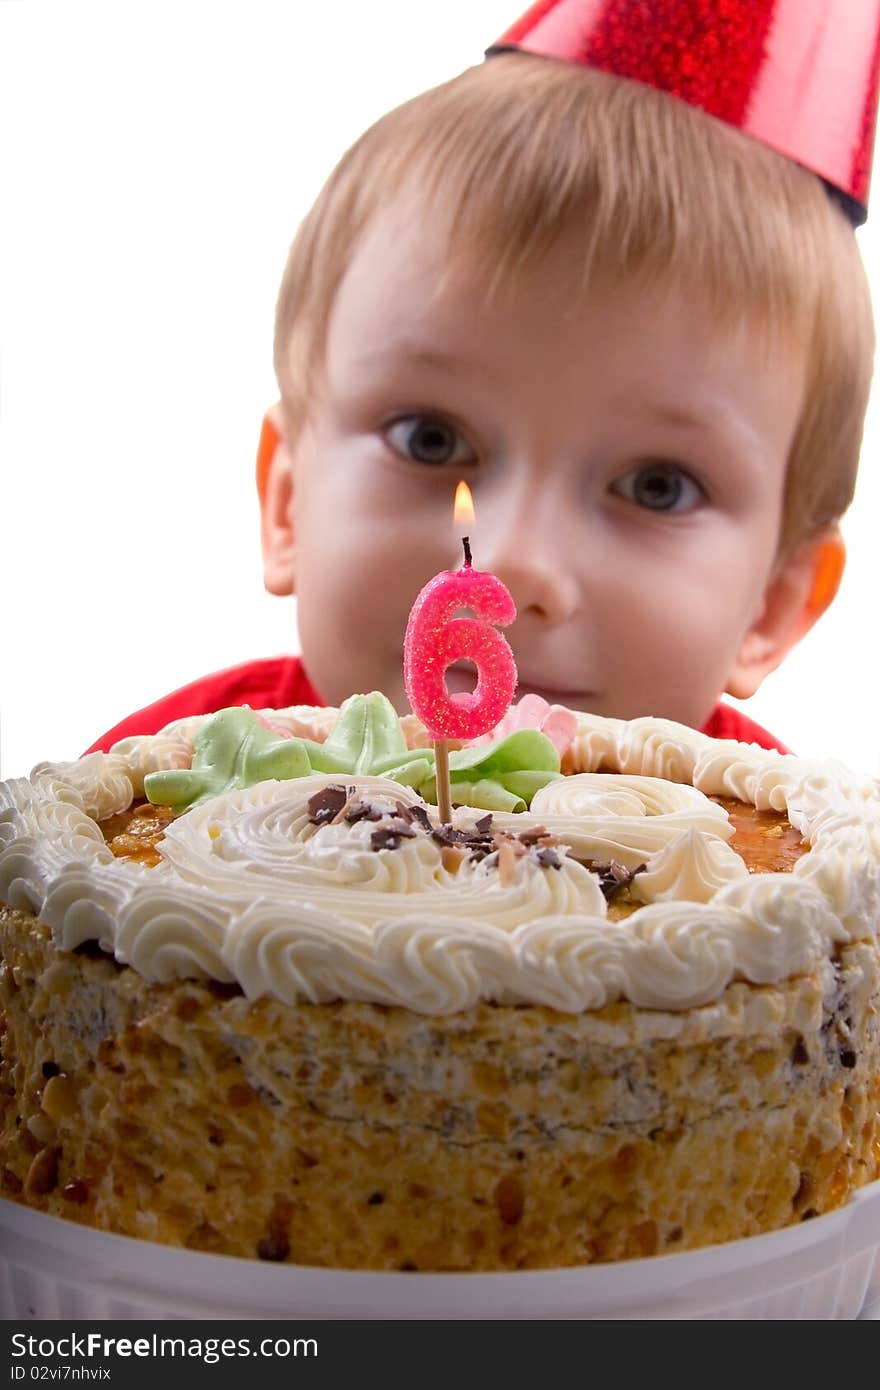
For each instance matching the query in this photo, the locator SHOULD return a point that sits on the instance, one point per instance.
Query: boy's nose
(530, 556)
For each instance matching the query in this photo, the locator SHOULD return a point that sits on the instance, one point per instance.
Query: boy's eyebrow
(427, 357)
(409, 352)
(725, 425)
(709, 416)
(677, 415)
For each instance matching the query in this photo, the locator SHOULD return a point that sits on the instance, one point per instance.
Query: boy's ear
(797, 595)
(275, 489)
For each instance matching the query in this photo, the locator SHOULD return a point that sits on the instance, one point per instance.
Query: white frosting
(691, 868)
(261, 842)
(251, 890)
(627, 818)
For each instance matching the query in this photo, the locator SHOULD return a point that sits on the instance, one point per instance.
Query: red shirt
(279, 681)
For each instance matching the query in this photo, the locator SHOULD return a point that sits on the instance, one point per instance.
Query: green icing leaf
(322, 760)
(233, 749)
(501, 776)
(179, 788)
(526, 750)
(484, 794)
(411, 774)
(367, 733)
(526, 784)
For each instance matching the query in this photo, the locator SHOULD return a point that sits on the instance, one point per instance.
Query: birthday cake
(259, 1001)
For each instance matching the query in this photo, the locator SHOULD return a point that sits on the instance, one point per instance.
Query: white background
(155, 160)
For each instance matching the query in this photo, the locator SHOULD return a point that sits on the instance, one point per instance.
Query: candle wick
(467, 550)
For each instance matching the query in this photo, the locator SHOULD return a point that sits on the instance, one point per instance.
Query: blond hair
(521, 149)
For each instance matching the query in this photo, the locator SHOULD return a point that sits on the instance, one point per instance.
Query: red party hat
(799, 75)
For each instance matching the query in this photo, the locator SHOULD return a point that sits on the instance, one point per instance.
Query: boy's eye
(660, 487)
(429, 439)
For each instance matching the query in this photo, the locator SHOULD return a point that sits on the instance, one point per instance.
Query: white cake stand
(824, 1268)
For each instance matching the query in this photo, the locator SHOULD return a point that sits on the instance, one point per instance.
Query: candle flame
(463, 507)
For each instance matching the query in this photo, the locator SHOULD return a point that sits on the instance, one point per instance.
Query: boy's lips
(574, 699)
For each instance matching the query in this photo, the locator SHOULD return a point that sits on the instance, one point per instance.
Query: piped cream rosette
(251, 889)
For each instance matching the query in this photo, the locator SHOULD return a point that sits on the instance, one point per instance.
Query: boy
(643, 338)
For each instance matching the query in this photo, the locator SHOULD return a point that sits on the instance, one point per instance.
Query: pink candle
(435, 639)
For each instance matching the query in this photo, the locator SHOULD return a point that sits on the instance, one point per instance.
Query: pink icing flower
(533, 712)
(261, 719)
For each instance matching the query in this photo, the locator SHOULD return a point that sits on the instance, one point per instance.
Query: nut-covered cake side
(594, 1065)
(357, 1135)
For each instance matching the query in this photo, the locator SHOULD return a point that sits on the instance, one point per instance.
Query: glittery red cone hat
(800, 75)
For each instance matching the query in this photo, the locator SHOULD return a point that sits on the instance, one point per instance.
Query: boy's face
(627, 464)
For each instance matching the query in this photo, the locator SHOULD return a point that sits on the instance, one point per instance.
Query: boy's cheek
(354, 608)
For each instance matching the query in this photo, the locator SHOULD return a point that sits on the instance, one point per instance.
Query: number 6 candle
(436, 638)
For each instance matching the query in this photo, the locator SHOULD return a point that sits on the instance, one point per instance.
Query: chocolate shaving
(614, 876)
(482, 852)
(548, 859)
(420, 814)
(391, 835)
(448, 835)
(537, 841)
(359, 809)
(499, 850)
(326, 804)
(341, 813)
